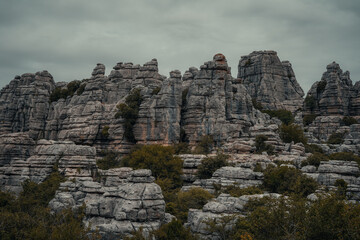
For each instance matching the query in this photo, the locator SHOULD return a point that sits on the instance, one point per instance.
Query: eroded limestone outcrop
(116, 209)
(270, 81)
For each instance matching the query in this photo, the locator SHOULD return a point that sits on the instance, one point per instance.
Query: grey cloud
(69, 37)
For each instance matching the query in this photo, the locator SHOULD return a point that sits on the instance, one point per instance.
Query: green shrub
(110, 160)
(257, 105)
(129, 111)
(349, 120)
(174, 230)
(285, 116)
(308, 119)
(288, 180)
(184, 95)
(210, 164)
(345, 156)
(315, 159)
(292, 132)
(313, 148)
(341, 188)
(156, 91)
(310, 102)
(261, 146)
(194, 198)
(235, 191)
(165, 167)
(29, 217)
(336, 138)
(294, 218)
(205, 145)
(70, 89)
(81, 89)
(321, 86)
(182, 148)
(105, 132)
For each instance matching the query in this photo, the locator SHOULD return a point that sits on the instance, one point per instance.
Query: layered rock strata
(334, 94)
(224, 207)
(270, 81)
(24, 159)
(24, 104)
(330, 171)
(116, 209)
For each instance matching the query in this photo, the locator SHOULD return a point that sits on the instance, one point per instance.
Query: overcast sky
(68, 37)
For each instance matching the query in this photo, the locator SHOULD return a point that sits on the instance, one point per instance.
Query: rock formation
(332, 95)
(130, 201)
(270, 81)
(24, 104)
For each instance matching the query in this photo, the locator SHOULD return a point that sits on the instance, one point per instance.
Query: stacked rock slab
(224, 208)
(217, 104)
(226, 176)
(330, 171)
(116, 209)
(24, 159)
(159, 115)
(270, 81)
(24, 104)
(330, 100)
(332, 95)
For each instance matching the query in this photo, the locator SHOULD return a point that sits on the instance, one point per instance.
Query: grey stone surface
(270, 81)
(116, 210)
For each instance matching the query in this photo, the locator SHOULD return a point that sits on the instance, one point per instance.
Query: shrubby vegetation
(105, 132)
(109, 160)
(210, 164)
(165, 167)
(155, 91)
(194, 198)
(288, 180)
(336, 138)
(313, 148)
(315, 159)
(308, 119)
(292, 132)
(28, 216)
(321, 86)
(347, 120)
(285, 116)
(257, 105)
(205, 145)
(310, 102)
(236, 191)
(327, 218)
(345, 156)
(71, 88)
(129, 111)
(262, 146)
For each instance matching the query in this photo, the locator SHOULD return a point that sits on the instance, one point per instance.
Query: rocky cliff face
(24, 104)
(217, 104)
(333, 95)
(270, 81)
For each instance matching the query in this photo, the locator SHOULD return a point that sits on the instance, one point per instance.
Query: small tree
(209, 165)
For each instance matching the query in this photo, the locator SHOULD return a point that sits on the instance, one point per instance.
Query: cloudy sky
(68, 37)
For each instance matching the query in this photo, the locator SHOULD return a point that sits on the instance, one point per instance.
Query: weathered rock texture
(226, 176)
(24, 104)
(221, 207)
(334, 94)
(126, 203)
(270, 81)
(217, 104)
(22, 159)
(330, 171)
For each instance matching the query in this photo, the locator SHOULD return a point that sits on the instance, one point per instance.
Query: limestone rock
(24, 104)
(217, 105)
(270, 81)
(36, 162)
(223, 206)
(332, 95)
(116, 210)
